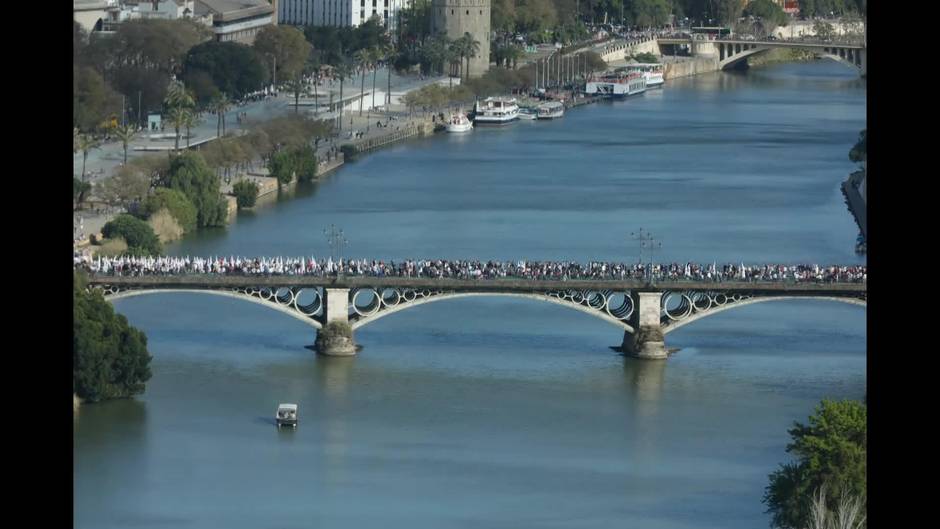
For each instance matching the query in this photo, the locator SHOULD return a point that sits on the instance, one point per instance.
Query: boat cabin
(286, 415)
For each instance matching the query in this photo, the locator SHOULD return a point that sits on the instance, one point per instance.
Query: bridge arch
(311, 320)
(731, 55)
(595, 309)
(695, 314)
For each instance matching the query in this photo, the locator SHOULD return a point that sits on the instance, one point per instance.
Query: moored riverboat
(286, 415)
(459, 122)
(616, 85)
(528, 114)
(652, 72)
(496, 110)
(550, 110)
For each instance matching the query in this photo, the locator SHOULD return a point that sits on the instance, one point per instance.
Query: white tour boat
(652, 72)
(459, 123)
(616, 85)
(496, 110)
(528, 113)
(551, 110)
(286, 415)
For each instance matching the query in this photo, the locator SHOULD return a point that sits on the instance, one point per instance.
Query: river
(498, 412)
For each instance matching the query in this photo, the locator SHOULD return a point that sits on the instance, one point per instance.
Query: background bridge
(731, 52)
(645, 312)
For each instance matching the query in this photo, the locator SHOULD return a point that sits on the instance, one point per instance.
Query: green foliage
(333, 43)
(141, 240)
(79, 190)
(647, 58)
(650, 13)
(93, 100)
(174, 201)
(288, 45)
(109, 356)
(246, 193)
(827, 8)
(189, 174)
(859, 152)
(234, 68)
(831, 451)
(281, 166)
(771, 15)
(305, 163)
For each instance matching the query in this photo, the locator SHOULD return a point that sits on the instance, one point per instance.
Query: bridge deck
(475, 285)
(766, 43)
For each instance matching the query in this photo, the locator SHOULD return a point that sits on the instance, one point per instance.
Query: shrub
(113, 247)
(141, 240)
(189, 174)
(305, 163)
(246, 193)
(175, 203)
(648, 58)
(281, 166)
(165, 226)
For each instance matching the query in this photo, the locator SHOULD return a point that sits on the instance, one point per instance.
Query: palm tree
(189, 120)
(342, 70)
(455, 52)
(177, 101)
(376, 55)
(471, 47)
(85, 143)
(362, 58)
(125, 133)
(178, 117)
(220, 105)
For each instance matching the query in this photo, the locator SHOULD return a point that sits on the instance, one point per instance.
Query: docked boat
(286, 415)
(550, 110)
(459, 123)
(496, 110)
(617, 85)
(652, 72)
(527, 113)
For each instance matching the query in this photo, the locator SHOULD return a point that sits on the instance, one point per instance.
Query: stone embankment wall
(409, 130)
(693, 66)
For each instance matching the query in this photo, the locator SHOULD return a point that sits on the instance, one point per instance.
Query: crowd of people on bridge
(467, 269)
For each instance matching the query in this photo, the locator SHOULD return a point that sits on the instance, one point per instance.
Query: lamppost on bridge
(337, 241)
(648, 242)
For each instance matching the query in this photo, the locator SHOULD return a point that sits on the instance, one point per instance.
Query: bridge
(645, 312)
(731, 52)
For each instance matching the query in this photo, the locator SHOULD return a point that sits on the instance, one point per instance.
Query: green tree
(234, 68)
(363, 60)
(650, 13)
(93, 99)
(305, 163)
(109, 356)
(287, 47)
(831, 454)
(189, 174)
(141, 240)
(281, 166)
(179, 104)
(246, 193)
(176, 203)
(768, 13)
(470, 47)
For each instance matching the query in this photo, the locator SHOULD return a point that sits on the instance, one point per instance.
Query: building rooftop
(228, 10)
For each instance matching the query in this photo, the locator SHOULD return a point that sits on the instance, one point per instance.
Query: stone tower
(456, 17)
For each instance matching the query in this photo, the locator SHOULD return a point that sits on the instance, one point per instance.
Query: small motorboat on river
(550, 110)
(459, 123)
(286, 415)
(527, 113)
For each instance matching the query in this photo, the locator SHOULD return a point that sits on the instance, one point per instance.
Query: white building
(105, 16)
(339, 12)
(237, 20)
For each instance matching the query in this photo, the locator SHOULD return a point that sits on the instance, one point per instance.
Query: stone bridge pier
(648, 339)
(335, 309)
